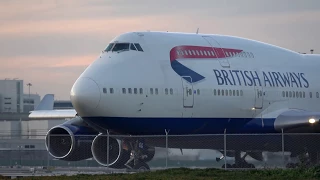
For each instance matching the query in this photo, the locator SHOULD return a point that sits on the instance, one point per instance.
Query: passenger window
(241, 93)
(287, 94)
(166, 91)
(123, 90)
(310, 94)
(156, 91)
(290, 94)
(283, 94)
(171, 91)
(120, 47)
(132, 47)
(218, 92)
(151, 90)
(304, 94)
(141, 91)
(293, 94)
(138, 47)
(135, 91)
(222, 92)
(237, 92)
(215, 92)
(317, 94)
(230, 92)
(198, 91)
(234, 92)
(300, 94)
(111, 90)
(297, 94)
(252, 55)
(104, 90)
(130, 91)
(226, 92)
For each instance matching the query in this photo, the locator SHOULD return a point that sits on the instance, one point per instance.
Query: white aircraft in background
(146, 83)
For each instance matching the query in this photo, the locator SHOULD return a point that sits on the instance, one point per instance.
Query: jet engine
(70, 142)
(117, 155)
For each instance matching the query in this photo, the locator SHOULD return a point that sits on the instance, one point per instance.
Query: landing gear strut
(307, 159)
(138, 157)
(240, 162)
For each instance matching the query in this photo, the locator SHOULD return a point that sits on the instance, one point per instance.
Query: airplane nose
(85, 96)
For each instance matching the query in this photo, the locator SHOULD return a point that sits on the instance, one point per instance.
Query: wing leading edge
(298, 121)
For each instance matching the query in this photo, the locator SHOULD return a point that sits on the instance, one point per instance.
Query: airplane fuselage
(194, 84)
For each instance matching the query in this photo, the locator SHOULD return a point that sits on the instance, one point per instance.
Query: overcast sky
(50, 42)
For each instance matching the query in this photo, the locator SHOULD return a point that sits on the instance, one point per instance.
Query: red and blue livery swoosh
(196, 53)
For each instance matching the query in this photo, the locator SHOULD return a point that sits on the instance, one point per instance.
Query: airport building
(11, 95)
(22, 139)
(12, 99)
(30, 102)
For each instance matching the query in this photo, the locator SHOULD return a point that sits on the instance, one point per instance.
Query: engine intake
(117, 155)
(70, 142)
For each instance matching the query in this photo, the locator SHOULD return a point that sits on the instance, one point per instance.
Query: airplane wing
(299, 121)
(45, 110)
(53, 114)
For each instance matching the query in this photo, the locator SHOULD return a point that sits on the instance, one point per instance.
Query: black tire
(291, 165)
(228, 166)
(141, 167)
(251, 166)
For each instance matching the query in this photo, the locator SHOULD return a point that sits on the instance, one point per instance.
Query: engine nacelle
(70, 141)
(117, 155)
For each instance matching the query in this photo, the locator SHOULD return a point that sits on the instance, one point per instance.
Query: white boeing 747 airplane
(144, 83)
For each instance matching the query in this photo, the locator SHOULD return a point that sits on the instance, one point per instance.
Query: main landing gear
(306, 159)
(138, 157)
(240, 162)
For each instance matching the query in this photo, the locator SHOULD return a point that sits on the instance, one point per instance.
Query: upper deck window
(121, 47)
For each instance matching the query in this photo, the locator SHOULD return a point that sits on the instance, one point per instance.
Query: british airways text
(252, 78)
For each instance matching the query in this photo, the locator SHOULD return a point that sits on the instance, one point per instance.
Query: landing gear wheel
(141, 167)
(291, 165)
(251, 166)
(228, 166)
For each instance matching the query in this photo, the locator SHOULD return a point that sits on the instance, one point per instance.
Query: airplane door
(258, 104)
(188, 96)
(218, 51)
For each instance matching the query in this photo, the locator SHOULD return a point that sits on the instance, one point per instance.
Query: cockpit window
(121, 47)
(132, 47)
(138, 46)
(118, 47)
(109, 47)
